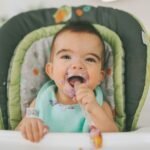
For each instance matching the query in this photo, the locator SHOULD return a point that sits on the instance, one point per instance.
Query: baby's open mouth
(73, 79)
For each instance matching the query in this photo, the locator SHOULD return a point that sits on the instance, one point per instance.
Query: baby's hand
(32, 129)
(85, 96)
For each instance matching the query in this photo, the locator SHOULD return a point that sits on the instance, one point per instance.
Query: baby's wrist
(94, 107)
(32, 112)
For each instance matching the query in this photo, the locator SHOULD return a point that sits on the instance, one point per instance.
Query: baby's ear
(49, 70)
(102, 75)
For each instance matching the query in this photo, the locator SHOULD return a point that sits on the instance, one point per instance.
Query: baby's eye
(90, 60)
(65, 57)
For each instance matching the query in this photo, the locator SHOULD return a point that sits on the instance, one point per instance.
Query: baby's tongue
(74, 81)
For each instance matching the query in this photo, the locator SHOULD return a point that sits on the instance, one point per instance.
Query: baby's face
(76, 58)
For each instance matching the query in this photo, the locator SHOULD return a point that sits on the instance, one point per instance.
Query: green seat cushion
(1, 120)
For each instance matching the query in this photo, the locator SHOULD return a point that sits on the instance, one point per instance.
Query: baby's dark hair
(79, 27)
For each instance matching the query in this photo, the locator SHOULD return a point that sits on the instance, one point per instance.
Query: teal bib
(59, 117)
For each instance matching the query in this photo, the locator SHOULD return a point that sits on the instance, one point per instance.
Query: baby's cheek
(61, 82)
(93, 85)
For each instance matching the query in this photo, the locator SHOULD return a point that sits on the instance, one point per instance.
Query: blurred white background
(139, 8)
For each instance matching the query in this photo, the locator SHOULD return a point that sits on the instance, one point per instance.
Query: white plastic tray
(12, 140)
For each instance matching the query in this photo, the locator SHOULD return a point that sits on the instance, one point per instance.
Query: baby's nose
(77, 66)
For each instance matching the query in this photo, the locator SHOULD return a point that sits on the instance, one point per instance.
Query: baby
(74, 100)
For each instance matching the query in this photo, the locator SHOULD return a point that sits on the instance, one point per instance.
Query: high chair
(24, 46)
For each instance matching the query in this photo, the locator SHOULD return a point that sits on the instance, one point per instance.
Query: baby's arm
(101, 116)
(32, 129)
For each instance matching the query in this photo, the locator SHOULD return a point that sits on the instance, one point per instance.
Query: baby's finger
(23, 132)
(36, 132)
(45, 131)
(42, 129)
(82, 93)
(29, 132)
(81, 97)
